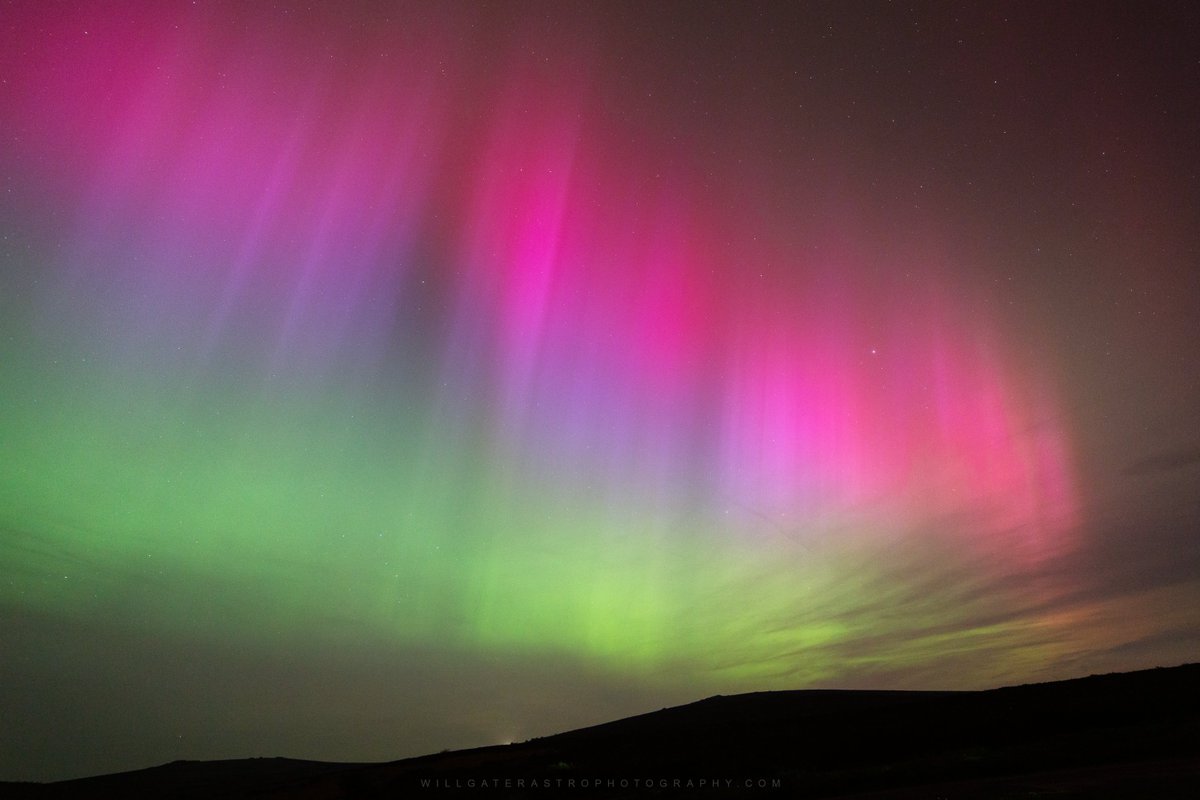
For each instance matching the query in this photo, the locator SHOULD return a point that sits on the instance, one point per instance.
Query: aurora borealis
(382, 378)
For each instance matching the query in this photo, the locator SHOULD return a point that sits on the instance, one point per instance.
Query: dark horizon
(1116, 735)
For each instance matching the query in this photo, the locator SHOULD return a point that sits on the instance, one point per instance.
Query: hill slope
(1125, 735)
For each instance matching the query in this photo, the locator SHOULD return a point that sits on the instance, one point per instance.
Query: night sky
(380, 378)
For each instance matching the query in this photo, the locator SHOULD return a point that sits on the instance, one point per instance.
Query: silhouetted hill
(1125, 735)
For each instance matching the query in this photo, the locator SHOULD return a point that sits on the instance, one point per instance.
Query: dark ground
(1133, 735)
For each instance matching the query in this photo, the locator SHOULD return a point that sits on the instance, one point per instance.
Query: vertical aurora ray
(348, 339)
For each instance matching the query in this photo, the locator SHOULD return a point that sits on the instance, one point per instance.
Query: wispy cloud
(1167, 461)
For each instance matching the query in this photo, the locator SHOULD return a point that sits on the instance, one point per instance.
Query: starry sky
(379, 378)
